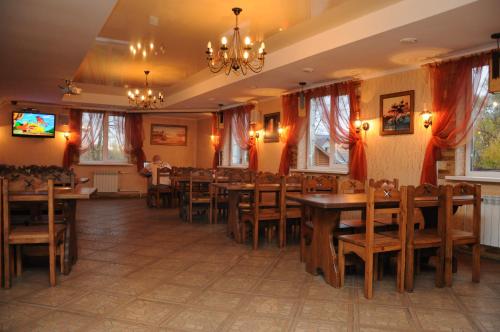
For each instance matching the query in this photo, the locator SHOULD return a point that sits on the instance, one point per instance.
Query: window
(322, 151)
(239, 157)
(484, 149)
(103, 138)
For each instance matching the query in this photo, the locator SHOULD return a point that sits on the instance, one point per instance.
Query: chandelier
(236, 56)
(145, 99)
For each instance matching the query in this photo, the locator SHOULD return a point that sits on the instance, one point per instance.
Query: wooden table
(69, 197)
(234, 191)
(325, 216)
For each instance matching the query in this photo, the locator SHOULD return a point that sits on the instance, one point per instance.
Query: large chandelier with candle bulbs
(147, 98)
(236, 56)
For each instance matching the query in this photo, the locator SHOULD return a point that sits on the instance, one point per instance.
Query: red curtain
(240, 127)
(340, 124)
(134, 137)
(218, 136)
(458, 96)
(293, 130)
(72, 150)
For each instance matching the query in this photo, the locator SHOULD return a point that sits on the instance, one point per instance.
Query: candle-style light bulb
(209, 45)
(139, 46)
(247, 41)
(224, 40)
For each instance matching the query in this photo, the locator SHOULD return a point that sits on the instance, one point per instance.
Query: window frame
(105, 154)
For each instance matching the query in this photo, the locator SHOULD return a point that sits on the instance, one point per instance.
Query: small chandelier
(145, 99)
(236, 56)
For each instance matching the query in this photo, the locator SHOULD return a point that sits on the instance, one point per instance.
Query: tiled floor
(144, 270)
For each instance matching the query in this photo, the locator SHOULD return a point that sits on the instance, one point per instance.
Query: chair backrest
(200, 188)
(241, 176)
(39, 196)
(262, 179)
(296, 181)
(425, 190)
(386, 201)
(163, 173)
(471, 196)
(350, 186)
(384, 183)
(321, 183)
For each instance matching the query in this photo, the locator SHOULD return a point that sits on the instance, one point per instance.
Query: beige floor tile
(170, 293)
(439, 298)
(320, 290)
(118, 270)
(274, 306)
(245, 323)
(18, 289)
(384, 296)
(488, 322)
(218, 300)
(441, 320)
(53, 296)
(324, 310)
(59, 321)
(110, 325)
(317, 326)
(234, 284)
(90, 280)
(480, 304)
(385, 317)
(193, 279)
(146, 312)
(197, 320)
(281, 288)
(240, 270)
(132, 286)
(97, 303)
(14, 315)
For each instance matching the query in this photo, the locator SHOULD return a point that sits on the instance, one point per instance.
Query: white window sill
(473, 179)
(327, 171)
(234, 166)
(105, 164)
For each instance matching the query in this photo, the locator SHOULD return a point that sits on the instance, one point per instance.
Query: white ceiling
(46, 42)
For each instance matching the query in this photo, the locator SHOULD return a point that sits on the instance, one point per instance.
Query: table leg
(232, 218)
(323, 256)
(71, 245)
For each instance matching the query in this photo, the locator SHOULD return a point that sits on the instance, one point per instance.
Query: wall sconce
(214, 139)
(66, 135)
(281, 130)
(254, 133)
(358, 124)
(427, 117)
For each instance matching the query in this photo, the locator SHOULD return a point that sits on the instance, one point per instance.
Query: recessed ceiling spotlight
(408, 40)
(308, 69)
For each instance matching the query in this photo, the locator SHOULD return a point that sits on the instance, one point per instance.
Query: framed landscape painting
(271, 124)
(396, 113)
(168, 135)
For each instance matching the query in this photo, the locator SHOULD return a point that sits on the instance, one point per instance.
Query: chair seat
(457, 235)
(264, 204)
(264, 214)
(33, 233)
(381, 242)
(200, 200)
(293, 204)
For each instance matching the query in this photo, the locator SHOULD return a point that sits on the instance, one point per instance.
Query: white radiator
(490, 221)
(106, 181)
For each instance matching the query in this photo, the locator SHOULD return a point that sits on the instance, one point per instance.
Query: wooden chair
(199, 193)
(161, 189)
(417, 238)
(313, 184)
(351, 186)
(219, 196)
(292, 210)
(367, 245)
(259, 212)
(468, 195)
(52, 234)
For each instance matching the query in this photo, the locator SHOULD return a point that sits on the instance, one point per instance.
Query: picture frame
(271, 124)
(172, 135)
(397, 113)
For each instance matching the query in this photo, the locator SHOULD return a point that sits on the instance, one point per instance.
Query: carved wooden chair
(199, 193)
(17, 235)
(367, 245)
(260, 212)
(292, 210)
(469, 195)
(219, 196)
(354, 220)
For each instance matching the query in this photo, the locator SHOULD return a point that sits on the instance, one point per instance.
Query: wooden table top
(251, 186)
(65, 193)
(345, 201)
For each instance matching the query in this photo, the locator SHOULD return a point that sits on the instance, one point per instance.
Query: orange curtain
(72, 150)
(340, 124)
(294, 128)
(240, 127)
(134, 137)
(458, 97)
(218, 135)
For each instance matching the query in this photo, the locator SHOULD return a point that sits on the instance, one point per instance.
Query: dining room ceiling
(312, 40)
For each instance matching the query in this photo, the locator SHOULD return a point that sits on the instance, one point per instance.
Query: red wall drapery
(293, 130)
(240, 127)
(336, 122)
(134, 137)
(456, 103)
(72, 150)
(219, 136)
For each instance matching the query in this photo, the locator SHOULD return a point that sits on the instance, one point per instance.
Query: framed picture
(162, 134)
(271, 124)
(396, 113)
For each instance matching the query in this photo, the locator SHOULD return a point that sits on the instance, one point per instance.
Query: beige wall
(49, 151)
(204, 149)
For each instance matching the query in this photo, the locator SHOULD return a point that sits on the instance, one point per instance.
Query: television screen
(33, 124)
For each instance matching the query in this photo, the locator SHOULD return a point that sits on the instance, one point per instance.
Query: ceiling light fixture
(146, 99)
(236, 56)
(408, 40)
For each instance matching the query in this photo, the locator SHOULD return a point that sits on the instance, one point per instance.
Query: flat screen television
(31, 124)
